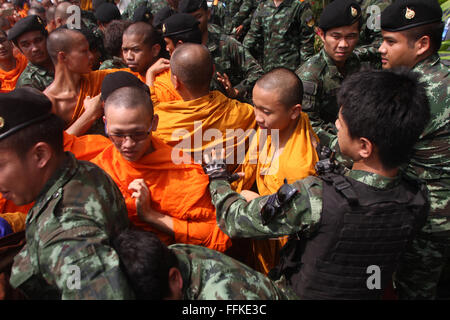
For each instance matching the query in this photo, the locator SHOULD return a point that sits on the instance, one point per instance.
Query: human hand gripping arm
(93, 109)
(158, 67)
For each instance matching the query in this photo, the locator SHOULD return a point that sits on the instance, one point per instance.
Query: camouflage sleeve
(244, 15)
(249, 68)
(242, 219)
(306, 33)
(132, 6)
(28, 80)
(84, 251)
(254, 39)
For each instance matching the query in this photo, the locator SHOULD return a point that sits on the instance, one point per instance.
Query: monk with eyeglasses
(162, 196)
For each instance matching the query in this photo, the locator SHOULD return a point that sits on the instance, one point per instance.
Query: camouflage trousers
(422, 267)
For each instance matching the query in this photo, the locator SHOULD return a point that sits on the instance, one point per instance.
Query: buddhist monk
(75, 92)
(285, 149)
(11, 66)
(204, 119)
(169, 199)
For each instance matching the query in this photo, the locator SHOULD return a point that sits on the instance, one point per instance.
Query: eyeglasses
(119, 138)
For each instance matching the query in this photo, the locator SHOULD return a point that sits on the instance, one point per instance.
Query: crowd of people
(241, 149)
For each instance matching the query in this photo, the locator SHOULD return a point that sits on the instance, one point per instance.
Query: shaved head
(284, 82)
(61, 11)
(193, 66)
(129, 98)
(61, 39)
(150, 35)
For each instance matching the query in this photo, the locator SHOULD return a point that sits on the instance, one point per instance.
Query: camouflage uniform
(281, 36)
(230, 57)
(321, 82)
(370, 32)
(239, 12)
(211, 275)
(218, 13)
(76, 214)
(153, 5)
(36, 77)
(113, 63)
(418, 276)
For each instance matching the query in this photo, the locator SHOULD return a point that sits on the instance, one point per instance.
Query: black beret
(406, 14)
(142, 14)
(29, 23)
(339, 13)
(179, 23)
(120, 79)
(189, 6)
(22, 107)
(107, 12)
(162, 15)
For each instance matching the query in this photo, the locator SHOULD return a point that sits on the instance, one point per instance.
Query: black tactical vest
(360, 227)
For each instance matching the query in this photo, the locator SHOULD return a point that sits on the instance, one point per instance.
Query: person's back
(343, 226)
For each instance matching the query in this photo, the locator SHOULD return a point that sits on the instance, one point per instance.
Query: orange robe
(163, 89)
(84, 148)
(177, 190)
(8, 79)
(210, 121)
(296, 162)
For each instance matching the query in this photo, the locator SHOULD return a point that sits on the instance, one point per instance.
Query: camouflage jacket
(431, 158)
(230, 57)
(321, 82)
(68, 231)
(36, 77)
(211, 275)
(241, 219)
(239, 12)
(153, 5)
(371, 28)
(113, 63)
(281, 36)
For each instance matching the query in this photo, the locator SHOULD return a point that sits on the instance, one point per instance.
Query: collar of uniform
(285, 3)
(429, 61)
(53, 187)
(334, 71)
(373, 179)
(38, 69)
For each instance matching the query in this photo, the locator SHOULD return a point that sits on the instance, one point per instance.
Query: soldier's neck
(374, 167)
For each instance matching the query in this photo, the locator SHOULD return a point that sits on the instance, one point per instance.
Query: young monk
(11, 66)
(169, 199)
(284, 149)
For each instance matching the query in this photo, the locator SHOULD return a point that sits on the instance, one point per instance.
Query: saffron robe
(8, 79)
(162, 89)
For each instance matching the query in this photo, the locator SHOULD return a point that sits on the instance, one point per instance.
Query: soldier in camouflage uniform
(342, 224)
(281, 35)
(29, 35)
(371, 31)
(323, 73)
(153, 5)
(238, 16)
(77, 209)
(229, 55)
(412, 31)
(190, 272)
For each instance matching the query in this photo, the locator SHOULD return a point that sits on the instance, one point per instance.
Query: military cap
(120, 79)
(179, 23)
(107, 12)
(162, 15)
(189, 6)
(406, 14)
(142, 14)
(340, 13)
(29, 23)
(21, 108)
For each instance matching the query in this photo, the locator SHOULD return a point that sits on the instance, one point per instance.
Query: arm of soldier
(239, 218)
(254, 39)
(307, 33)
(93, 109)
(245, 13)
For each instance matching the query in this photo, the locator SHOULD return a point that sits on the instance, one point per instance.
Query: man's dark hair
(49, 131)
(433, 30)
(113, 37)
(388, 107)
(194, 36)
(146, 262)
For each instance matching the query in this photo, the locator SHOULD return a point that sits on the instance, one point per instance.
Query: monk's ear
(156, 49)
(155, 122)
(176, 83)
(296, 111)
(61, 56)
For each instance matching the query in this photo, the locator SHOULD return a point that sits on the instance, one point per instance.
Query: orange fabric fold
(163, 89)
(196, 125)
(296, 162)
(8, 79)
(85, 147)
(15, 219)
(178, 190)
